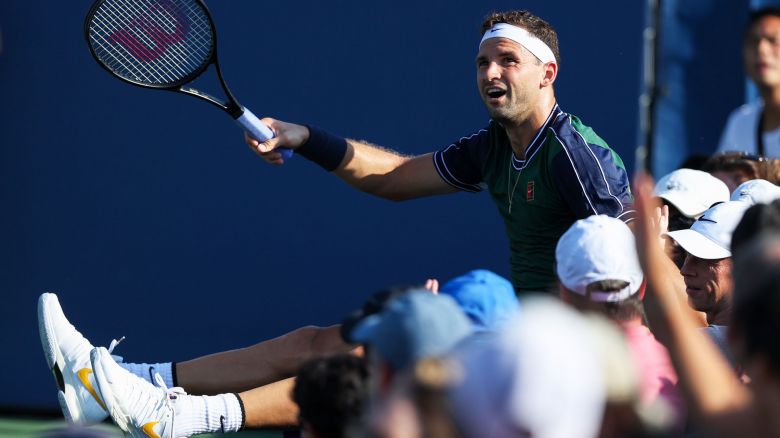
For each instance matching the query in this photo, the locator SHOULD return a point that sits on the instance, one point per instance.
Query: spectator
(488, 299)
(725, 406)
(599, 271)
(707, 268)
(413, 326)
(540, 377)
(332, 394)
(734, 168)
(418, 406)
(754, 128)
(687, 193)
(758, 219)
(756, 191)
(690, 193)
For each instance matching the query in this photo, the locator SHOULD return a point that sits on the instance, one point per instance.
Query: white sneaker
(67, 353)
(136, 406)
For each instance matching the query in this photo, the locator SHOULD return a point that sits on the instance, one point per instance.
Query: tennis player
(543, 168)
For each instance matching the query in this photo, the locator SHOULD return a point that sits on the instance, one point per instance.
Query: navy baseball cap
(414, 326)
(488, 299)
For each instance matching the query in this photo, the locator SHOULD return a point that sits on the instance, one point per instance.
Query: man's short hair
(530, 22)
(623, 310)
(769, 11)
(332, 394)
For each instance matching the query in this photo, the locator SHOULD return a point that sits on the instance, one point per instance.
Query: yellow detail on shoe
(83, 375)
(148, 429)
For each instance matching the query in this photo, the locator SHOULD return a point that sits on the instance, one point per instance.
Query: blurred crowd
(666, 330)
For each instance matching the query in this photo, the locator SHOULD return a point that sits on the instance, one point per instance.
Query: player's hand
(286, 135)
(651, 221)
(661, 222)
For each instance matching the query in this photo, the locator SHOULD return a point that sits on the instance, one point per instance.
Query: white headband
(522, 37)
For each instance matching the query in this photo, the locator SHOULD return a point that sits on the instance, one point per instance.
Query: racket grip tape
(260, 131)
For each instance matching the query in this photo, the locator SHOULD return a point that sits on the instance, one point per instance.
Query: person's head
(488, 299)
(756, 191)
(756, 313)
(373, 305)
(761, 47)
(542, 376)
(734, 168)
(598, 268)
(690, 193)
(418, 405)
(517, 64)
(758, 219)
(687, 193)
(332, 394)
(707, 267)
(411, 327)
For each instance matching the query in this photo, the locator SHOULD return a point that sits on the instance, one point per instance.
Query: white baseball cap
(756, 191)
(594, 249)
(691, 191)
(710, 236)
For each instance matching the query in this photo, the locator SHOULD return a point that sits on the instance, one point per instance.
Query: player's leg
(260, 364)
(67, 354)
(139, 407)
(270, 405)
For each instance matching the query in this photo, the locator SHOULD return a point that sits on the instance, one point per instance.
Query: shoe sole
(67, 394)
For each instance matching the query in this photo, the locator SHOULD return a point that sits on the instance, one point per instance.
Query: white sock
(207, 414)
(146, 371)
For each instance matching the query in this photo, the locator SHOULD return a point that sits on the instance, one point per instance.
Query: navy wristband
(325, 149)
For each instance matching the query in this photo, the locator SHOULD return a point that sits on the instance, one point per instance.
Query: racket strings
(169, 70)
(129, 38)
(152, 42)
(164, 39)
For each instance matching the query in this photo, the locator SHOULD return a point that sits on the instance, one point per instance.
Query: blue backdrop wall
(700, 77)
(151, 219)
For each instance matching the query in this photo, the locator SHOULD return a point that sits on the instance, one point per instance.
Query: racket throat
(233, 108)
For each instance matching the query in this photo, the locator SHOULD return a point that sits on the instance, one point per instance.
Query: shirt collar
(536, 143)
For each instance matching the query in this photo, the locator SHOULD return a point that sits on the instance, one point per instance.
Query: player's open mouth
(494, 92)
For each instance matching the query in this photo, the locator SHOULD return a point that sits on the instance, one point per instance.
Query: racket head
(152, 43)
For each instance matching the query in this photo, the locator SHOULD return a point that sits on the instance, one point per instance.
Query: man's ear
(550, 73)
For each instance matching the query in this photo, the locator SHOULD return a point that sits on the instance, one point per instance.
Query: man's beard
(503, 115)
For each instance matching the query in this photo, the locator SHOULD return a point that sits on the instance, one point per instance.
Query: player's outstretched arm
(367, 167)
(260, 364)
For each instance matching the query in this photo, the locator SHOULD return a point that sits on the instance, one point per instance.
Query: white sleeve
(740, 130)
(727, 136)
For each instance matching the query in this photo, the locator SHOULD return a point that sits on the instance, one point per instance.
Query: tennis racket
(164, 45)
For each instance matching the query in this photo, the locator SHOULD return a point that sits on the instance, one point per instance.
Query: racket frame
(231, 106)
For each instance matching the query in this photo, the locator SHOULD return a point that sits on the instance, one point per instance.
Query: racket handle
(259, 131)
